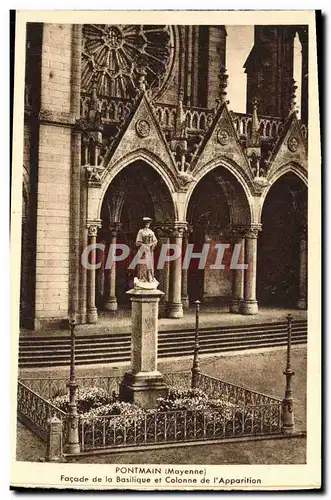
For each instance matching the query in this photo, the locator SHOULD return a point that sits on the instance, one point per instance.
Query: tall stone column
(163, 274)
(250, 305)
(302, 301)
(144, 383)
(92, 313)
(83, 245)
(185, 298)
(111, 303)
(175, 306)
(238, 274)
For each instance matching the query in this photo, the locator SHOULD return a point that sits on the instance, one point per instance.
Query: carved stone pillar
(175, 306)
(100, 273)
(83, 245)
(185, 298)
(163, 236)
(111, 304)
(302, 301)
(92, 313)
(238, 274)
(250, 305)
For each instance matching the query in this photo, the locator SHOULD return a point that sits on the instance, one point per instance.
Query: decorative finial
(180, 129)
(255, 132)
(223, 77)
(293, 97)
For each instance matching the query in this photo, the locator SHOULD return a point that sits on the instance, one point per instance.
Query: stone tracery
(114, 58)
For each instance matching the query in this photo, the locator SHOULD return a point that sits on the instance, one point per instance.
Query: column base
(92, 316)
(185, 303)
(175, 310)
(302, 303)
(143, 388)
(111, 304)
(236, 306)
(82, 318)
(250, 307)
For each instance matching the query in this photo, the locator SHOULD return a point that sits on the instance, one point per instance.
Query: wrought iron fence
(51, 388)
(36, 411)
(234, 394)
(180, 426)
(244, 413)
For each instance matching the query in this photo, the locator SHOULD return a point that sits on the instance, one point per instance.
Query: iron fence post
(196, 367)
(288, 411)
(73, 434)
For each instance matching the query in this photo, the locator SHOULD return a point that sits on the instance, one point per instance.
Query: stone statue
(145, 274)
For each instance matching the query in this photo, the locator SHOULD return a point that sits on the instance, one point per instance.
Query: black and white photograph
(167, 281)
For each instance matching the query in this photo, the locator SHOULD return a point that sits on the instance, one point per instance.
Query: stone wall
(53, 202)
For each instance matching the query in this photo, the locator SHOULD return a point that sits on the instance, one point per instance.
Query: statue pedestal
(144, 384)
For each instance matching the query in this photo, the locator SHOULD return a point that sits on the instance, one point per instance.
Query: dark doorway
(284, 210)
(136, 192)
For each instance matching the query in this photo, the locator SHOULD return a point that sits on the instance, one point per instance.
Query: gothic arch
(291, 167)
(243, 195)
(150, 159)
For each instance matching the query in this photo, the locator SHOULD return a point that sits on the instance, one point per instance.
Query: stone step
(114, 348)
(36, 352)
(81, 338)
(126, 357)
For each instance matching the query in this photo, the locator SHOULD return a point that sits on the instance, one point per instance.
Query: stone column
(111, 303)
(250, 305)
(185, 298)
(84, 243)
(163, 274)
(175, 306)
(75, 182)
(238, 274)
(92, 313)
(302, 301)
(100, 273)
(144, 384)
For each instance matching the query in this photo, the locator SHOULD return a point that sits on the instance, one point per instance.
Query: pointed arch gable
(151, 140)
(150, 159)
(282, 153)
(231, 149)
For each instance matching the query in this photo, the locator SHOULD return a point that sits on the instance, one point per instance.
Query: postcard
(166, 251)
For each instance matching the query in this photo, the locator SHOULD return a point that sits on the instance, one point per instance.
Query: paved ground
(262, 371)
(210, 316)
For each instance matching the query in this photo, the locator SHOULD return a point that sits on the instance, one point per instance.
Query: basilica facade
(130, 121)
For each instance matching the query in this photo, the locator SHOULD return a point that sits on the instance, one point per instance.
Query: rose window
(115, 58)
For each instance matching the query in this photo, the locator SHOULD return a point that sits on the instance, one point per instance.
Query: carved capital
(93, 174)
(93, 227)
(250, 231)
(178, 229)
(237, 233)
